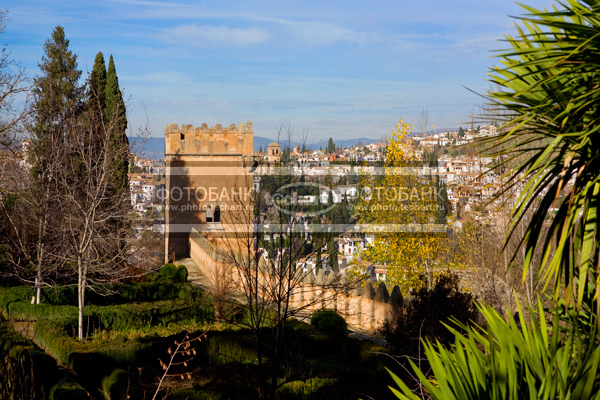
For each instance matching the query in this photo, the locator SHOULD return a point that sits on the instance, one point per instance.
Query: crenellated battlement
(205, 140)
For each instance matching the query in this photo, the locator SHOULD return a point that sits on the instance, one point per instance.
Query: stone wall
(364, 308)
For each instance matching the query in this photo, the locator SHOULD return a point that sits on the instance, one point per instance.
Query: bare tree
(86, 184)
(33, 217)
(13, 84)
(273, 265)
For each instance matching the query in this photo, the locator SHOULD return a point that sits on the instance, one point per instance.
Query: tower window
(217, 214)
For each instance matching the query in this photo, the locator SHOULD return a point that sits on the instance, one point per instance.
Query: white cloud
(208, 35)
(321, 33)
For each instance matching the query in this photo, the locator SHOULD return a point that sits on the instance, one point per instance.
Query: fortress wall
(359, 311)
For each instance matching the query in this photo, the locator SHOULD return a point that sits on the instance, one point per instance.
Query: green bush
(428, 314)
(21, 361)
(229, 347)
(68, 389)
(114, 386)
(329, 322)
(52, 334)
(20, 294)
(181, 275)
(314, 388)
(167, 272)
(28, 311)
(172, 273)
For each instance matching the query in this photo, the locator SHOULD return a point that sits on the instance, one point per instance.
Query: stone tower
(207, 182)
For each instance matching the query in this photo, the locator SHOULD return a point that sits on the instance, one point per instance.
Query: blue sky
(344, 69)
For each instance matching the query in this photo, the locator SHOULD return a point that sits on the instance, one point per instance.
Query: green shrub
(314, 388)
(21, 361)
(28, 311)
(181, 275)
(230, 347)
(329, 322)
(427, 315)
(15, 294)
(114, 386)
(52, 334)
(68, 389)
(172, 273)
(167, 272)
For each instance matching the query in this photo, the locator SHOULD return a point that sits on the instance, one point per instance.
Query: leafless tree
(14, 84)
(32, 218)
(268, 257)
(96, 221)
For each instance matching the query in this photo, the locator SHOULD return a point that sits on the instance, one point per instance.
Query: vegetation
(119, 356)
(548, 100)
(405, 203)
(329, 322)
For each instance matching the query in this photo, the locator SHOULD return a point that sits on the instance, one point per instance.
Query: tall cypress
(116, 116)
(97, 83)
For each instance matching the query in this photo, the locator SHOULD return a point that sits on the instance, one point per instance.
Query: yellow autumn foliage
(406, 202)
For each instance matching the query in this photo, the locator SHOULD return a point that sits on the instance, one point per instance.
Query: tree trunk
(82, 277)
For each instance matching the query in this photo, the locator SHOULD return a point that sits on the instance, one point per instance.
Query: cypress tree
(332, 252)
(330, 146)
(97, 81)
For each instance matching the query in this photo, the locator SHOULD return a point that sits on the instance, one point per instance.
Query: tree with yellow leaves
(407, 213)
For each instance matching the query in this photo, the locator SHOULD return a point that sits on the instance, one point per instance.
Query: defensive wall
(364, 308)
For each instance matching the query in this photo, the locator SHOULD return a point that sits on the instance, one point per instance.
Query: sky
(342, 69)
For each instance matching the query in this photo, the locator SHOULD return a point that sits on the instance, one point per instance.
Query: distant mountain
(154, 148)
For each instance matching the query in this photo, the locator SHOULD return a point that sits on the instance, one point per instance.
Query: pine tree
(116, 115)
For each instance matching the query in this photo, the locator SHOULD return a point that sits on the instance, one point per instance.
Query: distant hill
(154, 148)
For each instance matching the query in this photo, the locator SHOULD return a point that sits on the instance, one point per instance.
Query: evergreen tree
(330, 146)
(461, 132)
(97, 81)
(353, 178)
(317, 244)
(345, 212)
(57, 96)
(116, 115)
(332, 252)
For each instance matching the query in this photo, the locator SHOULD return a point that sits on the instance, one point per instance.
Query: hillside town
(469, 183)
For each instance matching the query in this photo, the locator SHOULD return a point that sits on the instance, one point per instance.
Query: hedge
(120, 316)
(169, 283)
(21, 361)
(115, 385)
(314, 388)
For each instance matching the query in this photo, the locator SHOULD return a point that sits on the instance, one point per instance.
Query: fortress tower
(208, 183)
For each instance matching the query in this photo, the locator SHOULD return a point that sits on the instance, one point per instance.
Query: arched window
(209, 214)
(217, 214)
